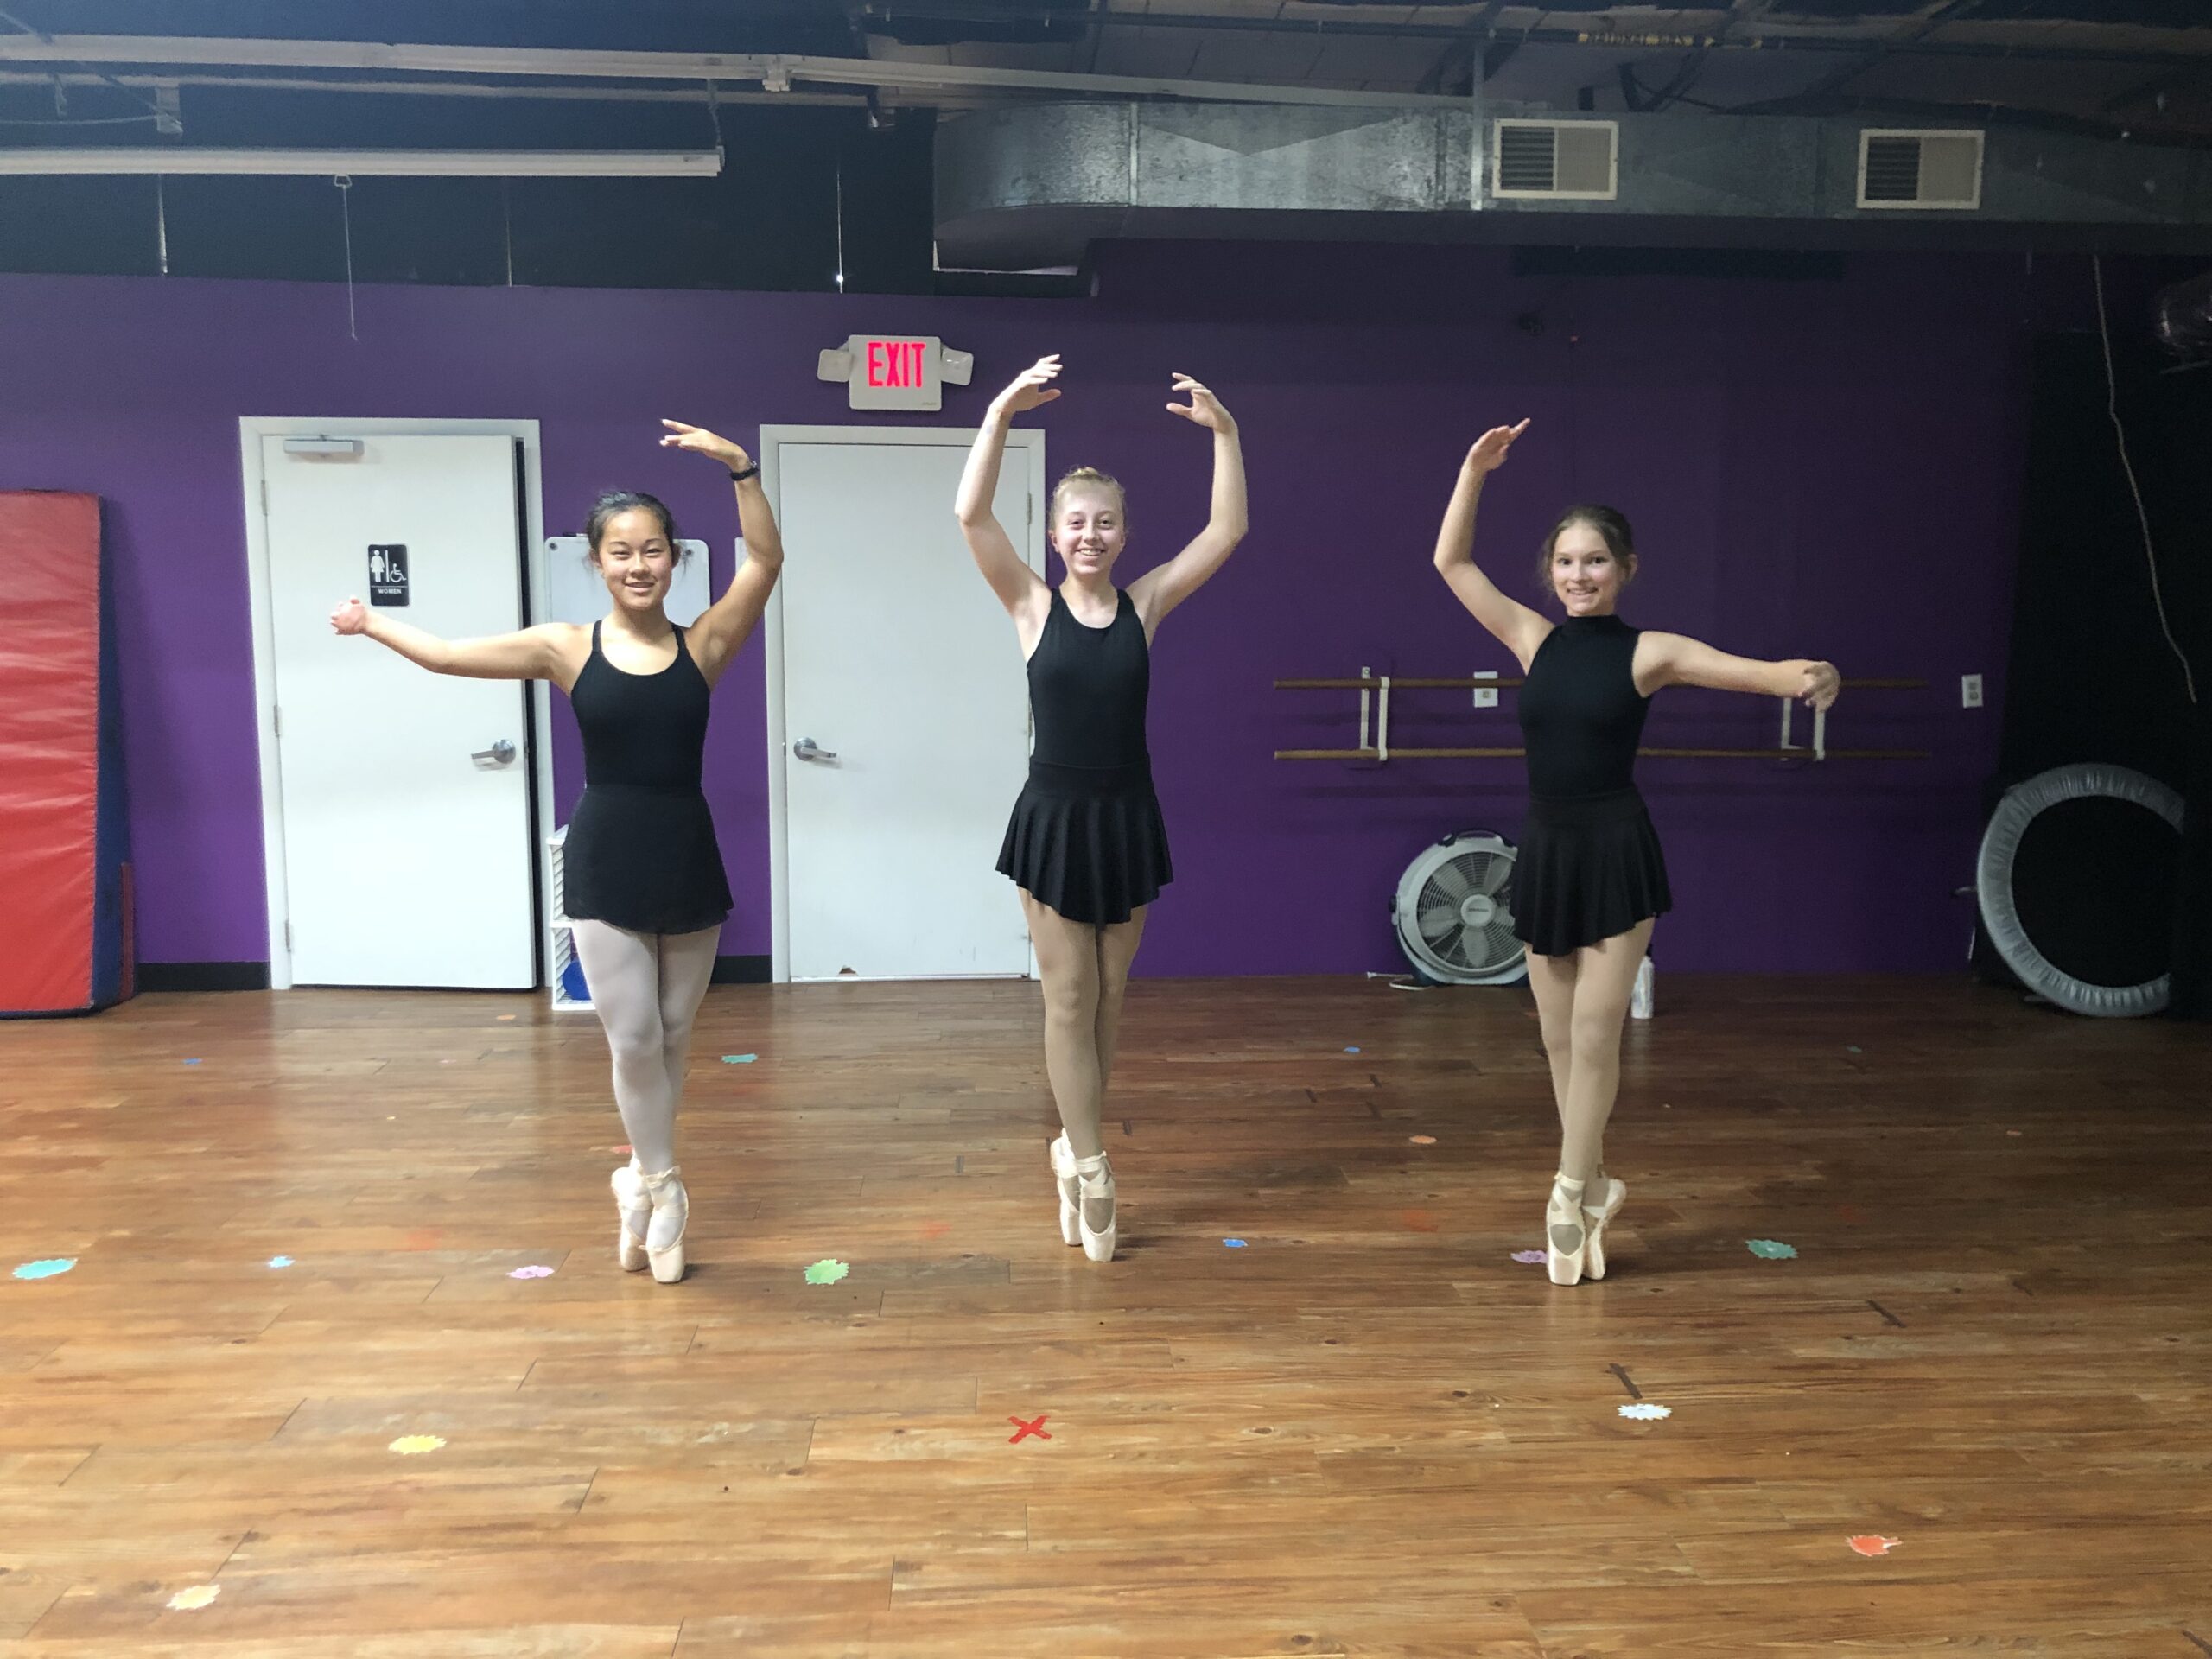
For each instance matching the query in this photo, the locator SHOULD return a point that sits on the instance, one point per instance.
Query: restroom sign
(387, 573)
(895, 371)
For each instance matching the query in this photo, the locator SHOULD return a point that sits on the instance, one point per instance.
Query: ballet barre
(1375, 708)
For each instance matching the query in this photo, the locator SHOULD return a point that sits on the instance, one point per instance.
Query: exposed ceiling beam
(1746, 25)
(1914, 31)
(782, 69)
(774, 71)
(2156, 88)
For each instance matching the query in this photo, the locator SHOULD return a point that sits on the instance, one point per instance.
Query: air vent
(1903, 168)
(1555, 161)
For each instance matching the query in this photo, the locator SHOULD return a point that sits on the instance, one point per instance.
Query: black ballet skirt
(1589, 866)
(1587, 869)
(641, 853)
(1086, 837)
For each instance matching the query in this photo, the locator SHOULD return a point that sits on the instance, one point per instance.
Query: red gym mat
(50, 652)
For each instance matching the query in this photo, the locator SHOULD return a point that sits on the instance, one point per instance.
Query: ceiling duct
(1034, 186)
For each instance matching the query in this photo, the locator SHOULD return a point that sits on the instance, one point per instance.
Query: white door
(900, 662)
(407, 849)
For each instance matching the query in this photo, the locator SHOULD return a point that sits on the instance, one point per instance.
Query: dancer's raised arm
(1161, 589)
(1020, 589)
(1513, 625)
(722, 629)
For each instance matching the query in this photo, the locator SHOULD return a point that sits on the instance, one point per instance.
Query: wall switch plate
(1485, 699)
(1970, 691)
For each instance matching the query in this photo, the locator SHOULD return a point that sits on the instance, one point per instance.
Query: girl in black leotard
(1085, 843)
(1589, 880)
(643, 878)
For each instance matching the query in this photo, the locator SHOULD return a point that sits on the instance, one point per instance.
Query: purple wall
(1819, 468)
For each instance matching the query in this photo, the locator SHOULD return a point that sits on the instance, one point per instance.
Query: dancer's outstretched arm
(1161, 589)
(722, 629)
(1513, 625)
(1677, 659)
(551, 650)
(1020, 589)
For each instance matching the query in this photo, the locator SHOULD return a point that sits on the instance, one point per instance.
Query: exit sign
(895, 371)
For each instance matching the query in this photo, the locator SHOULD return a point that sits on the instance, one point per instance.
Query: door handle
(805, 749)
(499, 755)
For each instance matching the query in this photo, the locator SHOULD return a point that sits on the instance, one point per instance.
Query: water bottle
(1639, 999)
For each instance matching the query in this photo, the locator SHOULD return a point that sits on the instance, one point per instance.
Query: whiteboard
(574, 592)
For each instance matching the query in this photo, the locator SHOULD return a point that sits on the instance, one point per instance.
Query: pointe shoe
(664, 1234)
(1566, 1238)
(1096, 1179)
(1594, 1217)
(1070, 1185)
(635, 1215)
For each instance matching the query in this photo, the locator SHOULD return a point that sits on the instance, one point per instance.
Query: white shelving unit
(561, 932)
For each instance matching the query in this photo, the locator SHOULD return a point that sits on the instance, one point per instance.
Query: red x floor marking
(1022, 1431)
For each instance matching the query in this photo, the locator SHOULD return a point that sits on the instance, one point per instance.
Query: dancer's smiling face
(636, 559)
(1586, 570)
(1088, 529)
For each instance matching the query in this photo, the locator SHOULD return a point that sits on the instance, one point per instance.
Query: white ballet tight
(647, 988)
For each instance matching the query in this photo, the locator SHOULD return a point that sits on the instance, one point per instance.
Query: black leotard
(640, 852)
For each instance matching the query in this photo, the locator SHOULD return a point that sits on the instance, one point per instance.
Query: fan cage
(1453, 912)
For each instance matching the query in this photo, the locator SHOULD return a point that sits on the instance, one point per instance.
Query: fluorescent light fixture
(371, 163)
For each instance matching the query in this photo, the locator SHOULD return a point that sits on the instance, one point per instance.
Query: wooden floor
(1368, 1431)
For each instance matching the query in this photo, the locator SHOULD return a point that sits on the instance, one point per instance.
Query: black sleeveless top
(648, 731)
(641, 852)
(1088, 689)
(1581, 716)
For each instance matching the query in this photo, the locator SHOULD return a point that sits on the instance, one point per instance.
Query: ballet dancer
(644, 879)
(1086, 844)
(1589, 880)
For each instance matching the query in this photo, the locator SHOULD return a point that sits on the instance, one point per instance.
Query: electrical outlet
(1485, 699)
(1969, 690)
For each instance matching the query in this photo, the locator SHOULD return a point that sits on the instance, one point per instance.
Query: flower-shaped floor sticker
(1872, 1543)
(827, 1271)
(47, 1268)
(1772, 1249)
(1644, 1411)
(414, 1445)
(192, 1600)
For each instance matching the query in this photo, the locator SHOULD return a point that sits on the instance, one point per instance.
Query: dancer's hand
(352, 617)
(1031, 387)
(700, 442)
(1819, 685)
(1488, 452)
(1204, 408)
